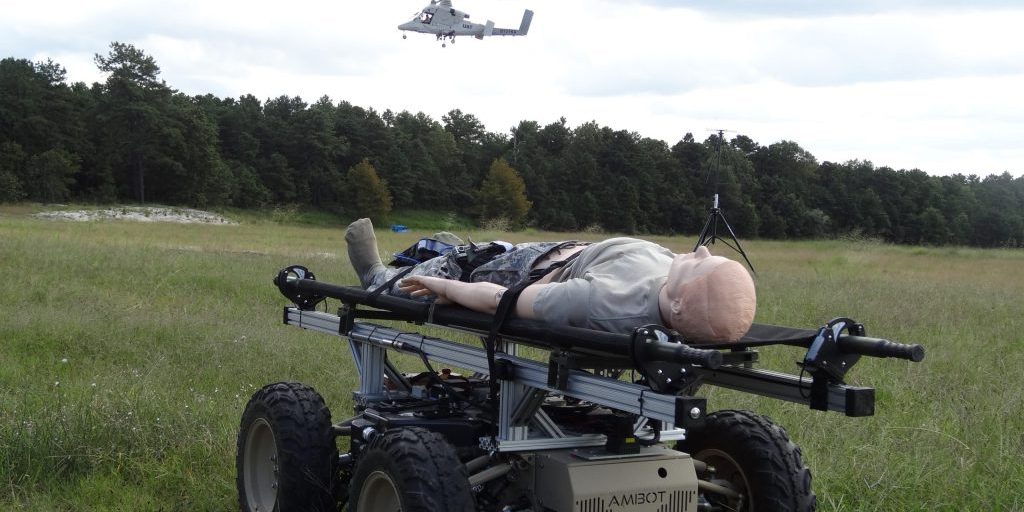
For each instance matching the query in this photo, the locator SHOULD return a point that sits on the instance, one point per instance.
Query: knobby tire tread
(424, 467)
(307, 452)
(773, 464)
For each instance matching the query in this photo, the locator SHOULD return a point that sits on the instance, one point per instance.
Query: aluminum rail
(616, 394)
(849, 400)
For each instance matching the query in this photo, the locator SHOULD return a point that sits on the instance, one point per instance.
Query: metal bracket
(346, 318)
(660, 376)
(559, 366)
(504, 370)
(824, 361)
(286, 283)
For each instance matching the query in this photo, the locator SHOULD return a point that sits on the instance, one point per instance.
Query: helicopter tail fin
(488, 30)
(524, 27)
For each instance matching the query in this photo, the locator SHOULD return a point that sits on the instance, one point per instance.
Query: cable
(800, 382)
(433, 373)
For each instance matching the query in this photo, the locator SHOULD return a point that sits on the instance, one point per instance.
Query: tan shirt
(611, 286)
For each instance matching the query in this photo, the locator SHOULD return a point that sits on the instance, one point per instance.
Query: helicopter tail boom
(524, 27)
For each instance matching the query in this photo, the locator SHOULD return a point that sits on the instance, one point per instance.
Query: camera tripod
(709, 233)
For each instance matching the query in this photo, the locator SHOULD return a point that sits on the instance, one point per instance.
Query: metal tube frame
(519, 403)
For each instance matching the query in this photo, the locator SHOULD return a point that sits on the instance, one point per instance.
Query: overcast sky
(934, 85)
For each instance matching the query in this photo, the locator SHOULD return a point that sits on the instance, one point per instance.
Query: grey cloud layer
(803, 52)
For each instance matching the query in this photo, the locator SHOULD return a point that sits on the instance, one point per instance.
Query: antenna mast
(709, 233)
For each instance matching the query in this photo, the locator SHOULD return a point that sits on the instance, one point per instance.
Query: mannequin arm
(480, 297)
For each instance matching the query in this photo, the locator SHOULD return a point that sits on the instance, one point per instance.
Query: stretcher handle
(878, 347)
(682, 354)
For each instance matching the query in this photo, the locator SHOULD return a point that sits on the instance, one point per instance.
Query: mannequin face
(690, 266)
(709, 298)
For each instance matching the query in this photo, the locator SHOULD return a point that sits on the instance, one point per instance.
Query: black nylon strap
(508, 300)
(505, 307)
(391, 282)
(511, 296)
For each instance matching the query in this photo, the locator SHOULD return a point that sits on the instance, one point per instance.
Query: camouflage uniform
(507, 269)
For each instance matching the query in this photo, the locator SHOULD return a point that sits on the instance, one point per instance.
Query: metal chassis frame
(521, 394)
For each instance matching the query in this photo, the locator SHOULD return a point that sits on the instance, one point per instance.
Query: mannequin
(615, 285)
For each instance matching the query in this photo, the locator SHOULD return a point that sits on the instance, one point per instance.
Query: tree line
(134, 138)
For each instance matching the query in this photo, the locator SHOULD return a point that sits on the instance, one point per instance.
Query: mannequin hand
(421, 286)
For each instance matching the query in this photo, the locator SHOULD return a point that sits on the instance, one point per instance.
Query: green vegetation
(368, 196)
(503, 195)
(130, 349)
(134, 138)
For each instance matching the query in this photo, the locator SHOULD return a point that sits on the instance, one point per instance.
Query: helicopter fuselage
(445, 22)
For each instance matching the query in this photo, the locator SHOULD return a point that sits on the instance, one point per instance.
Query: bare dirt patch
(140, 214)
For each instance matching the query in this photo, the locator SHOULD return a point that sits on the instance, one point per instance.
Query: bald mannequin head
(708, 298)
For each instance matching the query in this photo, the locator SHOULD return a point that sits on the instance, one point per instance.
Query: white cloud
(758, 9)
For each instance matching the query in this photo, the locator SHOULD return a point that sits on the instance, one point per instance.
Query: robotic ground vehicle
(608, 423)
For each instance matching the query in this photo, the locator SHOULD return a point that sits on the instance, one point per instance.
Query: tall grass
(128, 350)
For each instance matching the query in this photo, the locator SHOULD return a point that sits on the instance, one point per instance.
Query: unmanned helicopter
(445, 22)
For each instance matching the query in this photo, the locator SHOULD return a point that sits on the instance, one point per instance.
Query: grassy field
(128, 351)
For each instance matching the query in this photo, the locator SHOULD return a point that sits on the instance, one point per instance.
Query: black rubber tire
(288, 424)
(418, 466)
(753, 456)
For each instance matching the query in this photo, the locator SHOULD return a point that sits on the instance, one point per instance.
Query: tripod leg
(709, 232)
(739, 247)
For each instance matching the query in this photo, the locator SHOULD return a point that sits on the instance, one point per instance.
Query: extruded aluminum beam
(618, 395)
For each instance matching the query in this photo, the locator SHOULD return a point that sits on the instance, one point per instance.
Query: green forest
(133, 138)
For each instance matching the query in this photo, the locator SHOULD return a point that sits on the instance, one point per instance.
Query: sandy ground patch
(140, 214)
